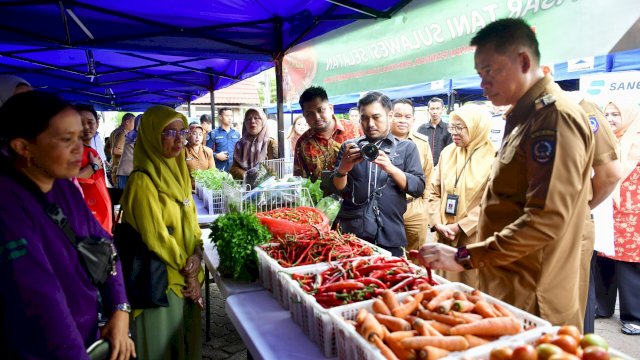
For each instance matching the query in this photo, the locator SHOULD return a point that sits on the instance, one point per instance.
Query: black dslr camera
(370, 151)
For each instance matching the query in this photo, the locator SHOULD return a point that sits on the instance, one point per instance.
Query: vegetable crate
(351, 345)
(282, 168)
(269, 269)
(530, 337)
(214, 201)
(259, 200)
(314, 319)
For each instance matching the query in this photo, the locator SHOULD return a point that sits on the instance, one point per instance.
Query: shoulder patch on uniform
(417, 135)
(543, 150)
(545, 100)
(594, 123)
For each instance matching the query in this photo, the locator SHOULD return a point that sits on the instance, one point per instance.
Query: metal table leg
(207, 315)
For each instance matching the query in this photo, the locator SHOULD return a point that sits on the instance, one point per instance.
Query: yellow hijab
(628, 135)
(473, 176)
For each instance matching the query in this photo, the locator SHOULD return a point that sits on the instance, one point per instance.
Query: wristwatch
(95, 167)
(463, 257)
(123, 307)
(339, 174)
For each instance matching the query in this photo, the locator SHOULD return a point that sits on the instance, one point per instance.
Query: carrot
(389, 298)
(362, 314)
(474, 298)
(430, 294)
(384, 349)
(462, 306)
(406, 309)
(484, 308)
(393, 323)
(442, 296)
(432, 353)
(423, 328)
(445, 306)
(451, 343)
(466, 317)
(407, 299)
(459, 295)
(370, 327)
(475, 340)
(502, 310)
(489, 327)
(394, 341)
(380, 307)
(442, 328)
(425, 287)
(447, 319)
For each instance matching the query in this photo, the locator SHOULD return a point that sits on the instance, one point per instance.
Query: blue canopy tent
(127, 55)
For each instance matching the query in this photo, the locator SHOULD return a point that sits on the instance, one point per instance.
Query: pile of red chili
(330, 246)
(301, 222)
(361, 279)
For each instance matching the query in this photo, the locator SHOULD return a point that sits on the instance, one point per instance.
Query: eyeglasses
(455, 129)
(197, 133)
(172, 133)
(399, 116)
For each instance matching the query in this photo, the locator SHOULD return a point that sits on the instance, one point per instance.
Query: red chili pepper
(372, 281)
(403, 284)
(369, 268)
(342, 285)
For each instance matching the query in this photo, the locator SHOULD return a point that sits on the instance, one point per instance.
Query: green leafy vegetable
(330, 206)
(314, 190)
(235, 235)
(212, 179)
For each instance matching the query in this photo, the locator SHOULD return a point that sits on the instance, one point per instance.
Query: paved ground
(226, 343)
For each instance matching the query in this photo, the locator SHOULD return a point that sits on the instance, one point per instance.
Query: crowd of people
(513, 221)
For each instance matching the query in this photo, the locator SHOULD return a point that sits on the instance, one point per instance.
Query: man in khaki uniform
(117, 144)
(416, 216)
(535, 207)
(607, 171)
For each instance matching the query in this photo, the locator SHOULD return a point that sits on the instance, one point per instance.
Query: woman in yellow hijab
(459, 181)
(158, 204)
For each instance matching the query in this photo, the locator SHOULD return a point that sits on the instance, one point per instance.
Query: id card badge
(451, 207)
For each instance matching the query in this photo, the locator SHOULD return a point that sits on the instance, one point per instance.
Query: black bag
(145, 274)
(366, 222)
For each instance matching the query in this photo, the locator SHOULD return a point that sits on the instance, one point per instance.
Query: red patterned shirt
(313, 153)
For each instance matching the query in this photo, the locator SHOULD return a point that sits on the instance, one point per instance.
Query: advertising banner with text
(429, 41)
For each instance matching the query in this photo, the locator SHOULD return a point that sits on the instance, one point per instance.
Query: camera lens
(369, 151)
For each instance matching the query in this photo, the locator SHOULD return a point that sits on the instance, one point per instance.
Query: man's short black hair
(373, 96)
(435, 100)
(223, 109)
(128, 116)
(205, 118)
(311, 93)
(505, 34)
(404, 101)
(87, 107)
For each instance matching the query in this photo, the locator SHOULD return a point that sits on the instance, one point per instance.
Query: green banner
(428, 41)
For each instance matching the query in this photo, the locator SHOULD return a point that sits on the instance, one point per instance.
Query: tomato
(595, 353)
(524, 352)
(571, 331)
(546, 338)
(501, 353)
(563, 356)
(566, 343)
(593, 340)
(545, 351)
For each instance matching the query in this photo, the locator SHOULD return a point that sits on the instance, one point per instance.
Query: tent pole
(279, 83)
(212, 102)
(189, 107)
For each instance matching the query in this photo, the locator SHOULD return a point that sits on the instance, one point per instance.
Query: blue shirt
(366, 180)
(221, 140)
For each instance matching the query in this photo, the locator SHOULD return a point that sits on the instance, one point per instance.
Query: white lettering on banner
(521, 8)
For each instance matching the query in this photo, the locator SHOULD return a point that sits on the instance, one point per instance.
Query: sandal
(630, 329)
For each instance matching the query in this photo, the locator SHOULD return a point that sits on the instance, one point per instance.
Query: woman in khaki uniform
(462, 172)
(254, 147)
(197, 155)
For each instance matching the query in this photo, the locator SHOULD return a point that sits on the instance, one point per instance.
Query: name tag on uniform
(451, 207)
(189, 159)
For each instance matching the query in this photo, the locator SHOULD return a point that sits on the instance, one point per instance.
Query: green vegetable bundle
(212, 179)
(314, 190)
(235, 235)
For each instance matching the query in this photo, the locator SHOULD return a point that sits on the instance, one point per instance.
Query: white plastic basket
(351, 345)
(482, 353)
(282, 168)
(266, 197)
(311, 316)
(269, 269)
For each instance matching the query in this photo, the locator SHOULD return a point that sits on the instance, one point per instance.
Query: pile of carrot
(431, 324)
(330, 246)
(355, 280)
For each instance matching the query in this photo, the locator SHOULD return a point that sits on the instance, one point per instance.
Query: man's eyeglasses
(172, 133)
(398, 116)
(455, 129)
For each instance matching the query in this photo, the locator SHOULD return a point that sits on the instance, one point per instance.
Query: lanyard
(462, 170)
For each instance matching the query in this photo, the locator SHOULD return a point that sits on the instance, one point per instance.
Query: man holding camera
(373, 169)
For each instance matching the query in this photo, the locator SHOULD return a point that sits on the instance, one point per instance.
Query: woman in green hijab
(158, 203)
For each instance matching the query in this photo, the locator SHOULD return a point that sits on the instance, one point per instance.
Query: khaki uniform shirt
(416, 217)
(535, 207)
(117, 142)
